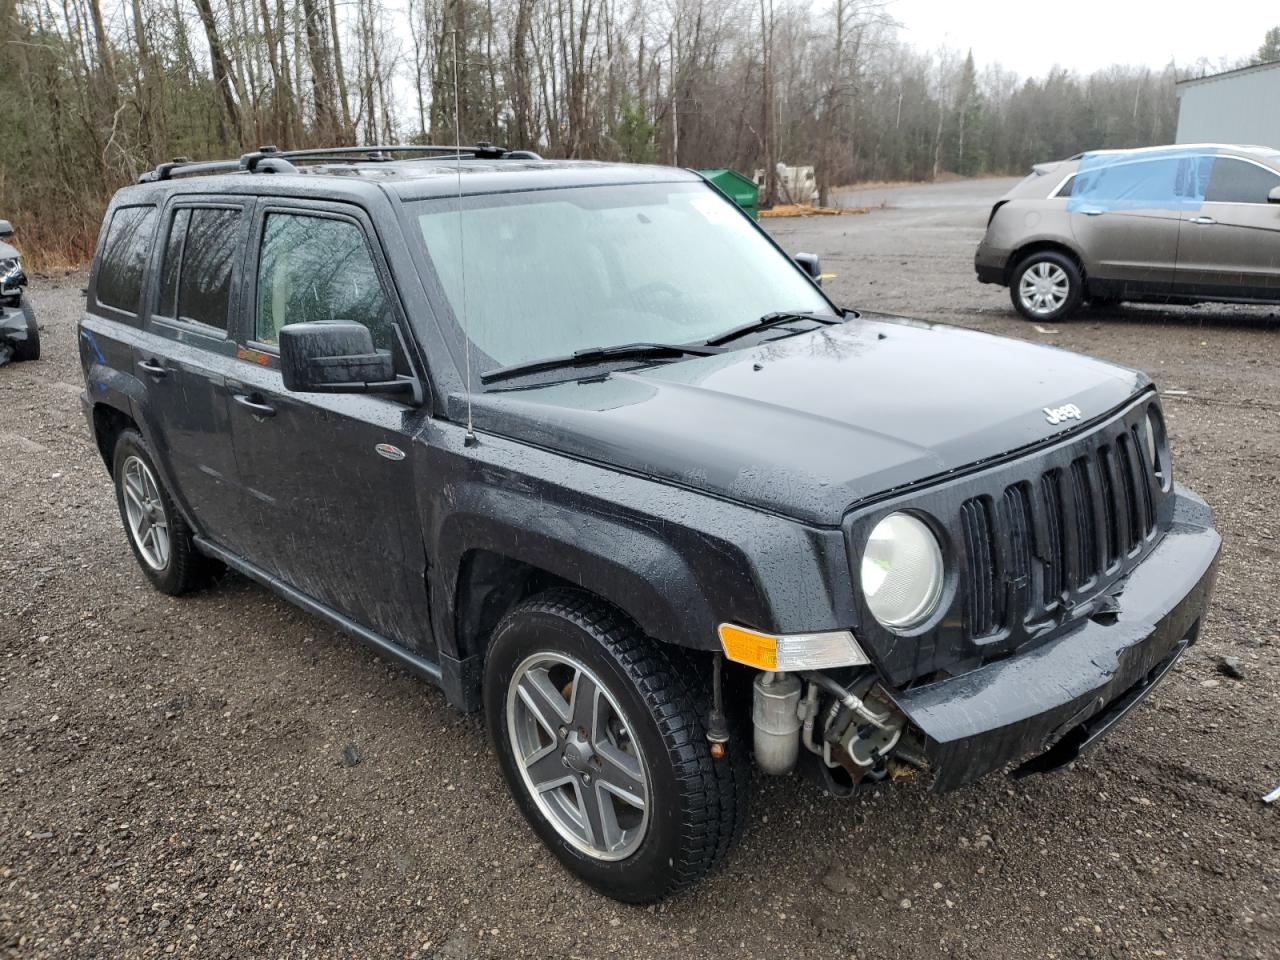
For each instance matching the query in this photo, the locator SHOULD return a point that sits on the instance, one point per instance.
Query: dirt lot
(172, 777)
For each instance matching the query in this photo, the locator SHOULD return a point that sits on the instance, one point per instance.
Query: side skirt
(427, 669)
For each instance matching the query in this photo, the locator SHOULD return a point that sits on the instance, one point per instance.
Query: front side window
(124, 257)
(198, 272)
(318, 268)
(1234, 181)
(546, 273)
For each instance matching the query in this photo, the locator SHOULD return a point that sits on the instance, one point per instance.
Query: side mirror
(336, 357)
(1274, 195)
(6, 229)
(810, 265)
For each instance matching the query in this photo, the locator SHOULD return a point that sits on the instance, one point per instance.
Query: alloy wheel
(577, 755)
(144, 509)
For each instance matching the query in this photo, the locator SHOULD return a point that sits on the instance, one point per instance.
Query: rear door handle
(254, 403)
(153, 367)
(1203, 220)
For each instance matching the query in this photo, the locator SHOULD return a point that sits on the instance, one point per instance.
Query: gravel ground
(175, 777)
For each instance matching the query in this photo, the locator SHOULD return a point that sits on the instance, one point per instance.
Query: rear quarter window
(124, 257)
(1235, 181)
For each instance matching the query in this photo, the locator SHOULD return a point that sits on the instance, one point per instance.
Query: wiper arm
(767, 321)
(589, 355)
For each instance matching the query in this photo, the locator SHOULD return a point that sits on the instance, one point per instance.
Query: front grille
(1037, 545)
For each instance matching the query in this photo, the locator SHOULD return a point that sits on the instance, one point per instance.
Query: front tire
(28, 349)
(1046, 286)
(160, 538)
(600, 735)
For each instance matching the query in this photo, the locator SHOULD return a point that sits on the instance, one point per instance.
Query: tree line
(94, 94)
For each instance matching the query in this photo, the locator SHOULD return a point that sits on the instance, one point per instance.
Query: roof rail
(270, 159)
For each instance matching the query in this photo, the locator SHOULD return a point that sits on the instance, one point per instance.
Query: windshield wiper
(589, 355)
(767, 321)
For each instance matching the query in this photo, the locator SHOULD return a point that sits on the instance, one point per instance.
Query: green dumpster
(741, 190)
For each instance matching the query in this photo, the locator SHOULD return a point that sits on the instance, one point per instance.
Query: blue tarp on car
(1171, 179)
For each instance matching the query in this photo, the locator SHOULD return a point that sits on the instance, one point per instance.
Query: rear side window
(1234, 181)
(199, 265)
(124, 257)
(314, 269)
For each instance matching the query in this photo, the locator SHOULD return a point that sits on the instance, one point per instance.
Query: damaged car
(581, 445)
(19, 333)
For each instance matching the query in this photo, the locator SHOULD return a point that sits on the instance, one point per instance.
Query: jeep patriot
(578, 443)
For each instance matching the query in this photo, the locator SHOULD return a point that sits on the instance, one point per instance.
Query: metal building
(1239, 106)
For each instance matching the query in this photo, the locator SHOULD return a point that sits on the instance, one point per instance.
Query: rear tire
(1046, 286)
(28, 349)
(159, 537)
(543, 653)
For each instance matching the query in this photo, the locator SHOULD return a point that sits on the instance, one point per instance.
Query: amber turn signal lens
(796, 651)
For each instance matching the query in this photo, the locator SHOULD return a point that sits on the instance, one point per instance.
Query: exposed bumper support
(1058, 699)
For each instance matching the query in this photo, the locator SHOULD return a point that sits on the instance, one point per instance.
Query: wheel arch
(109, 423)
(1044, 244)
(495, 549)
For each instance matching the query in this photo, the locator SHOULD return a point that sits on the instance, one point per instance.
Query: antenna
(471, 439)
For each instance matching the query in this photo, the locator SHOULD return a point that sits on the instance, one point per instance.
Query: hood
(8, 251)
(809, 424)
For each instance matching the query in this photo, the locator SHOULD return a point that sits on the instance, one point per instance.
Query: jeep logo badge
(1068, 411)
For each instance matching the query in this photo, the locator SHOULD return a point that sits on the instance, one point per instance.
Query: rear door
(330, 477)
(1230, 246)
(184, 355)
(1124, 216)
(109, 327)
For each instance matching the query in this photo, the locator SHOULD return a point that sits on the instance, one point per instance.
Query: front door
(1230, 246)
(331, 477)
(1124, 216)
(184, 355)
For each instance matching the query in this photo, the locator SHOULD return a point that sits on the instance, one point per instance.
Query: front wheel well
(108, 424)
(489, 586)
(1052, 245)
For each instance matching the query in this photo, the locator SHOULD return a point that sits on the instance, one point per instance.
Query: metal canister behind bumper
(1059, 698)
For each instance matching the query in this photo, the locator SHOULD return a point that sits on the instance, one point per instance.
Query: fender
(617, 556)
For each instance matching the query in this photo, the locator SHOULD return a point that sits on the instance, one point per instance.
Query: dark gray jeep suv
(581, 445)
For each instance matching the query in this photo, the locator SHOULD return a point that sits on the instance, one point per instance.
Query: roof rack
(273, 160)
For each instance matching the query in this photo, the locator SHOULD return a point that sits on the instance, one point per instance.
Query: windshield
(551, 272)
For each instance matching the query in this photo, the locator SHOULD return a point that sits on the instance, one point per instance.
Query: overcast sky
(1029, 37)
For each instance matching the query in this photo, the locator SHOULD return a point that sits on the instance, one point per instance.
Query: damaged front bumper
(15, 326)
(1058, 699)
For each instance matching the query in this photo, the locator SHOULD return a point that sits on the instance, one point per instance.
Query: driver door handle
(1206, 220)
(254, 403)
(153, 367)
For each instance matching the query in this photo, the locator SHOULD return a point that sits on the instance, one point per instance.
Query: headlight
(11, 274)
(902, 571)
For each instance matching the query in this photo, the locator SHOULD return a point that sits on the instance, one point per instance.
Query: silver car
(1180, 224)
